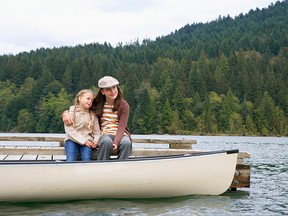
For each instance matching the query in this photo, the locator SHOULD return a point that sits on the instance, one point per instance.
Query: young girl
(84, 132)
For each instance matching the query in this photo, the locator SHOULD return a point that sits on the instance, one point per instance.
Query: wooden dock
(241, 177)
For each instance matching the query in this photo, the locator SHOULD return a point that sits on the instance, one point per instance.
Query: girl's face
(110, 93)
(85, 100)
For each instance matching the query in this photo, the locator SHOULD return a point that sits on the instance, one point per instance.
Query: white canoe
(208, 173)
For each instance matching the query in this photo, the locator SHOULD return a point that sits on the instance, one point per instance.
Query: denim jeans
(106, 147)
(72, 149)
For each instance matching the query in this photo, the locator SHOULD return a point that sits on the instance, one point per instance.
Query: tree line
(228, 76)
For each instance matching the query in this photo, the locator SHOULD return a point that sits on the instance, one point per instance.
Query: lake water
(267, 195)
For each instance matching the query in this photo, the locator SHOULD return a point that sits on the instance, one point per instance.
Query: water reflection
(187, 205)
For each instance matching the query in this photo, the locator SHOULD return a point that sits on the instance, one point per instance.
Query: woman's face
(110, 93)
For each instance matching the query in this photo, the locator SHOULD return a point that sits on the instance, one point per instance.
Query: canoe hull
(209, 174)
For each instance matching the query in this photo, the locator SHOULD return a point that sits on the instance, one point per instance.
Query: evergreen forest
(227, 76)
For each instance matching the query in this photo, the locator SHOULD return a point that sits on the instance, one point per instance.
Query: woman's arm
(123, 121)
(66, 118)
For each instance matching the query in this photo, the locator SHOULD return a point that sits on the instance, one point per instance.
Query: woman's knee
(106, 139)
(125, 143)
(126, 140)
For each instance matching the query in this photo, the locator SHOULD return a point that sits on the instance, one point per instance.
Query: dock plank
(177, 144)
(29, 157)
(59, 157)
(14, 157)
(44, 157)
(2, 157)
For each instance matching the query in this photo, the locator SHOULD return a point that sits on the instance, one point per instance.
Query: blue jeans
(72, 149)
(106, 147)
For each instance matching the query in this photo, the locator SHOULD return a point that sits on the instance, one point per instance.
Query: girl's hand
(89, 144)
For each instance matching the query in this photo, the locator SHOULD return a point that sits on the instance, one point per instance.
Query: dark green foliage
(50, 109)
(226, 76)
(26, 121)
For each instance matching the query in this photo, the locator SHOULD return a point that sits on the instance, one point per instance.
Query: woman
(113, 113)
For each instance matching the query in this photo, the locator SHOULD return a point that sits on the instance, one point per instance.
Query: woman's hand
(66, 118)
(95, 144)
(115, 147)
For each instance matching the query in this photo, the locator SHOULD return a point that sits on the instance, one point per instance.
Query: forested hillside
(228, 76)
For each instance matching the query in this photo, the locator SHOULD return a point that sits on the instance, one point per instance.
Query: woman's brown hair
(99, 102)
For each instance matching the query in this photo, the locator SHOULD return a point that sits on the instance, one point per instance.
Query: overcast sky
(27, 25)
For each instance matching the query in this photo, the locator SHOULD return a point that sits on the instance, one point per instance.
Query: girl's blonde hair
(80, 94)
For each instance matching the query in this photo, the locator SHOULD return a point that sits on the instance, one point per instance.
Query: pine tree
(26, 122)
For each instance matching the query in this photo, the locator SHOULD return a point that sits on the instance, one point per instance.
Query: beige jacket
(80, 131)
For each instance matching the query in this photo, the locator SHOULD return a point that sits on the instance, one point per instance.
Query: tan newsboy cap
(107, 81)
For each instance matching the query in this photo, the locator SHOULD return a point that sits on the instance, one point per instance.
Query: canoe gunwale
(131, 159)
